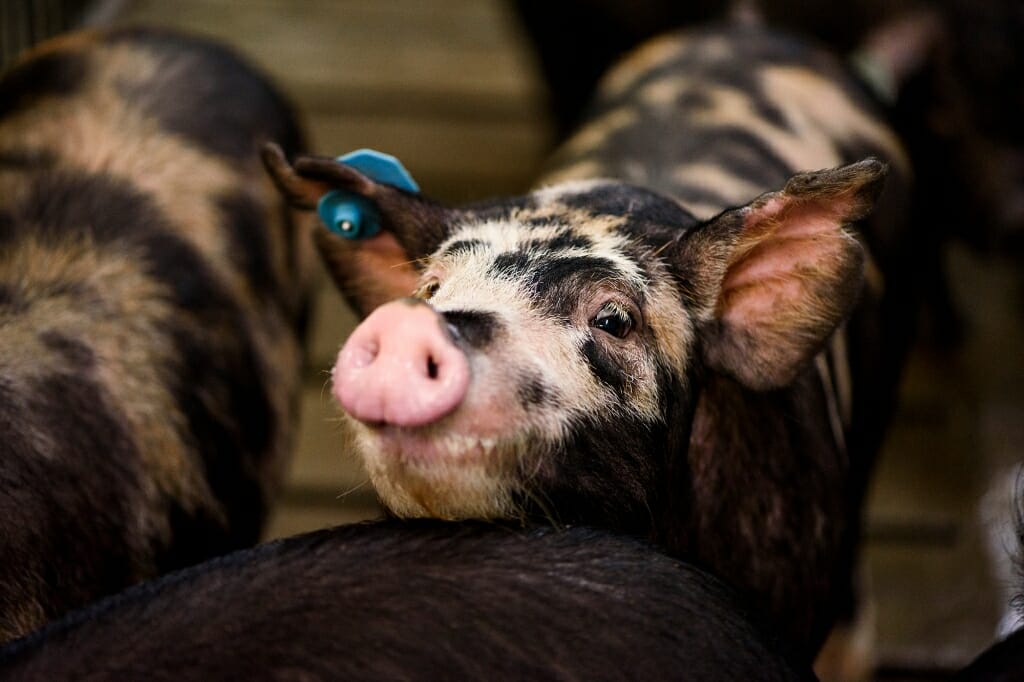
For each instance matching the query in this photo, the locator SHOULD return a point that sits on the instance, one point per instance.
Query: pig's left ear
(772, 280)
(368, 271)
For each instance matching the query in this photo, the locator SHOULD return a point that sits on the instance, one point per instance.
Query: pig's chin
(437, 473)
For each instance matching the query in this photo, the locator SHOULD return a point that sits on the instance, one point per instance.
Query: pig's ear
(772, 280)
(369, 271)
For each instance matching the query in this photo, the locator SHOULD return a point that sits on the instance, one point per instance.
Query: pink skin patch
(400, 368)
(774, 271)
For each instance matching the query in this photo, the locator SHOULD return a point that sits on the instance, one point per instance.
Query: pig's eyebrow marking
(460, 246)
(561, 242)
(510, 265)
(547, 271)
(478, 328)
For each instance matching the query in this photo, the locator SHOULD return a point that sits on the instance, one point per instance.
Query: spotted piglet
(647, 342)
(151, 309)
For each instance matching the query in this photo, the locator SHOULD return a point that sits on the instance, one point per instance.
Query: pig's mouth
(430, 472)
(427, 447)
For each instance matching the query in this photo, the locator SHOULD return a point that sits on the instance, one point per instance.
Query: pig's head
(542, 355)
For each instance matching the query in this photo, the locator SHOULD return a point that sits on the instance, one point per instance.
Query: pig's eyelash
(427, 290)
(614, 319)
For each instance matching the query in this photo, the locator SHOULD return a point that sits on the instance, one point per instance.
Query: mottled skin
(151, 309)
(422, 600)
(642, 359)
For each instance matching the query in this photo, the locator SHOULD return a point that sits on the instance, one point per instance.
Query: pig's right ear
(769, 282)
(370, 271)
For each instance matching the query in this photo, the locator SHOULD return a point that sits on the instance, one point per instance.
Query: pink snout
(400, 367)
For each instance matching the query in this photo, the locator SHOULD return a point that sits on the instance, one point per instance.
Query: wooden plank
(333, 321)
(936, 608)
(484, 156)
(323, 457)
(397, 46)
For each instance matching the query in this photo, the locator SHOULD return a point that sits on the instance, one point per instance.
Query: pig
(152, 306)
(422, 600)
(946, 73)
(658, 340)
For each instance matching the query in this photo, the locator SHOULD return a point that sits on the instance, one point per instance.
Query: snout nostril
(431, 368)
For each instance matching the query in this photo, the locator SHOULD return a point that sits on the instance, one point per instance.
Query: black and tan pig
(660, 339)
(151, 308)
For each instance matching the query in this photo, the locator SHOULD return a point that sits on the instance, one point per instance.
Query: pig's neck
(764, 468)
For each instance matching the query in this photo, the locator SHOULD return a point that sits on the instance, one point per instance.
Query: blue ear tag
(352, 215)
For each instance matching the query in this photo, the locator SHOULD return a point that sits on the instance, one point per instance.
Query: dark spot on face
(476, 328)
(55, 74)
(532, 391)
(461, 246)
(556, 284)
(551, 273)
(206, 93)
(603, 367)
(248, 232)
(570, 240)
(511, 265)
(78, 354)
(562, 241)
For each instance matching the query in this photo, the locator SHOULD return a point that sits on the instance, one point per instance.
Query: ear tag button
(352, 215)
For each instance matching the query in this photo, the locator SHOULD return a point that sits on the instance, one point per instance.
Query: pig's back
(150, 314)
(719, 115)
(416, 600)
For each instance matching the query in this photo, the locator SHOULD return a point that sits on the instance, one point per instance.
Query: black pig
(151, 307)
(415, 600)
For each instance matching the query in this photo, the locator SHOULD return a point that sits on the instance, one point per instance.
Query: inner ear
(775, 278)
(369, 271)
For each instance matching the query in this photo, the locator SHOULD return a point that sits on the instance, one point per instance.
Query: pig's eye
(427, 291)
(614, 320)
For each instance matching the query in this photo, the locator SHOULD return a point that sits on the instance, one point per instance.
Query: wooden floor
(450, 88)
